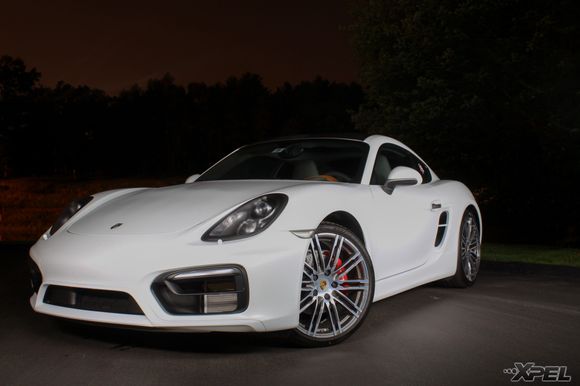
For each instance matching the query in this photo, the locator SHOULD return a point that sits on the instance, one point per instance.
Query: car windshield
(335, 160)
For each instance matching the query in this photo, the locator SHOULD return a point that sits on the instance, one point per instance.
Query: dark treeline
(515, 143)
(488, 92)
(160, 129)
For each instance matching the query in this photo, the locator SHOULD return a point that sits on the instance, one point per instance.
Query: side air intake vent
(441, 228)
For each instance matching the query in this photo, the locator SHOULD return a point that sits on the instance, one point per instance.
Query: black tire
(461, 279)
(298, 335)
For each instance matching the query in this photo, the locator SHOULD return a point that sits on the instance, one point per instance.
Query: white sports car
(291, 234)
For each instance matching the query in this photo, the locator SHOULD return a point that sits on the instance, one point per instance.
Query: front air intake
(35, 276)
(92, 300)
(211, 290)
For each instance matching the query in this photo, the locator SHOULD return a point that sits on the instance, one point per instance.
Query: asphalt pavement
(428, 336)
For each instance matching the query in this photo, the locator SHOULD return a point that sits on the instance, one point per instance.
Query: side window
(389, 157)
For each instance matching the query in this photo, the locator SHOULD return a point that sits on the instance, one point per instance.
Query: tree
(17, 85)
(315, 107)
(487, 90)
(161, 128)
(15, 79)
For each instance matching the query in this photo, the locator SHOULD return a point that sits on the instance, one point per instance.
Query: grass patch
(531, 254)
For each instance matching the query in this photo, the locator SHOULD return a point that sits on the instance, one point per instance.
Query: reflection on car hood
(173, 208)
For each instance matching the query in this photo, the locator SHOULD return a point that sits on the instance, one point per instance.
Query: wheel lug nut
(315, 277)
(315, 292)
(327, 296)
(334, 284)
(327, 272)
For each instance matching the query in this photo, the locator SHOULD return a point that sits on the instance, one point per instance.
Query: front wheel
(337, 287)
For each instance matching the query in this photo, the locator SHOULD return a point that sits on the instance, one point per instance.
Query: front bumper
(272, 261)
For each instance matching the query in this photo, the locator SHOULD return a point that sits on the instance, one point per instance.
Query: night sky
(114, 44)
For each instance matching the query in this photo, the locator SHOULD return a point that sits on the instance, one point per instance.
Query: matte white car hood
(171, 209)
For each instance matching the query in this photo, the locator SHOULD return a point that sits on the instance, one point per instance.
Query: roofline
(355, 136)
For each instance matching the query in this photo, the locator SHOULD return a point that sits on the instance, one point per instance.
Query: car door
(404, 222)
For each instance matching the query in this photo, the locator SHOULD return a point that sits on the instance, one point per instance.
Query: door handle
(435, 205)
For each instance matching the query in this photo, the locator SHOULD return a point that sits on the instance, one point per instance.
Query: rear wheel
(469, 251)
(337, 287)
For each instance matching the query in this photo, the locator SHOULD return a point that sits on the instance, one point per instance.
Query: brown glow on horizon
(112, 45)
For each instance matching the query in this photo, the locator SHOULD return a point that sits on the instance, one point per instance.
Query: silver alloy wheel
(470, 247)
(335, 287)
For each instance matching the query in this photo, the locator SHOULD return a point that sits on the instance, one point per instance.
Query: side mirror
(403, 176)
(192, 178)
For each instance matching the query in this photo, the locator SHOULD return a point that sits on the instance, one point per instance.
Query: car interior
(335, 161)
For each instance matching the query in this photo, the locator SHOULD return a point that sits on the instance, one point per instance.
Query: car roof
(354, 136)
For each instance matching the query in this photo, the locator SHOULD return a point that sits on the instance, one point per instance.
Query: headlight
(249, 219)
(69, 211)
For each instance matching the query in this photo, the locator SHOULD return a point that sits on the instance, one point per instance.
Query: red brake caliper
(338, 265)
(341, 270)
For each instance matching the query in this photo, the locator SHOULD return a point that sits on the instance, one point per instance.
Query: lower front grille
(92, 300)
